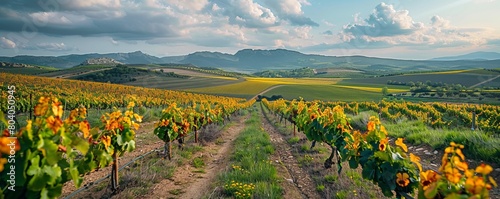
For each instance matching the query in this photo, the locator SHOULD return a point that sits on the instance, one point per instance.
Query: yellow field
(372, 89)
(445, 72)
(252, 86)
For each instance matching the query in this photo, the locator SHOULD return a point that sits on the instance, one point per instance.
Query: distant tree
(385, 91)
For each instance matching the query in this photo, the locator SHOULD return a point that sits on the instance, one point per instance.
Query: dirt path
(78, 74)
(267, 90)
(297, 182)
(485, 81)
(187, 183)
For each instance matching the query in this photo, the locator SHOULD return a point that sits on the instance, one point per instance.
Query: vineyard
(388, 166)
(52, 150)
(55, 149)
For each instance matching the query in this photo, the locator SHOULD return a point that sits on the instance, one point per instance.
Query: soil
(297, 182)
(187, 182)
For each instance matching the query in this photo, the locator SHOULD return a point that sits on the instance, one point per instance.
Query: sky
(404, 29)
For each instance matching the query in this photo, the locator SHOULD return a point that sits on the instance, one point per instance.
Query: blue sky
(406, 29)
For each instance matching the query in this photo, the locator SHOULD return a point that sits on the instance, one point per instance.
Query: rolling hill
(251, 60)
(472, 56)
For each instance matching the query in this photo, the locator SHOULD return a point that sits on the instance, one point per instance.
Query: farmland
(464, 77)
(235, 132)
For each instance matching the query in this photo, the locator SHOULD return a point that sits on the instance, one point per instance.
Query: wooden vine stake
(114, 173)
(294, 130)
(195, 136)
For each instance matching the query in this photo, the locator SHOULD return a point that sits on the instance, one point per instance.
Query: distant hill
(100, 61)
(68, 61)
(251, 60)
(472, 56)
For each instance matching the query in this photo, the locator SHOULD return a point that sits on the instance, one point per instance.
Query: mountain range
(253, 60)
(480, 55)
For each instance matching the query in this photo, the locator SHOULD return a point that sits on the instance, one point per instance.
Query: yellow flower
(383, 144)
(492, 181)
(415, 159)
(371, 126)
(484, 169)
(459, 153)
(427, 178)
(2, 162)
(137, 117)
(129, 113)
(399, 142)
(459, 164)
(130, 105)
(41, 109)
(402, 179)
(85, 128)
(54, 123)
(106, 140)
(475, 185)
(453, 174)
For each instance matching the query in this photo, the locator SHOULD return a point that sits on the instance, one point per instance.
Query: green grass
(324, 92)
(26, 71)
(293, 140)
(466, 78)
(478, 145)
(251, 165)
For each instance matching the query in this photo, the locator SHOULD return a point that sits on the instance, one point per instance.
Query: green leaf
(55, 192)
(119, 140)
(81, 145)
(75, 176)
(38, 182)
(382, 155)
(353, 164)
(53, 172)
(51, 154)
(44, 194)
(34, 167)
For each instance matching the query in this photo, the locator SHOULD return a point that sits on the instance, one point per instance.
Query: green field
(26, 70)
(152, 81)
(465, 78)
(75, 71)
(324, 92)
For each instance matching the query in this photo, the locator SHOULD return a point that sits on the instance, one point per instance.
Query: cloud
(7, 43)
(386, 27)
(245, 13)
(384, 21)
(54, 47)
(291, 10)
(328, 32)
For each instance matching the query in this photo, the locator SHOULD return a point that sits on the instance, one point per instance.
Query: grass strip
(251, 174)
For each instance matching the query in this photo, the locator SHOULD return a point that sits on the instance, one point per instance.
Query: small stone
(290, 156)
(435, 152)
(497, 170)
(427, 153)
(419, 149)
(289, 180)
(434, 165)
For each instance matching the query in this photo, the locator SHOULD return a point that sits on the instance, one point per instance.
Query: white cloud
(7, 43)
(291, 10)
(54, 46)
(387, 27)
